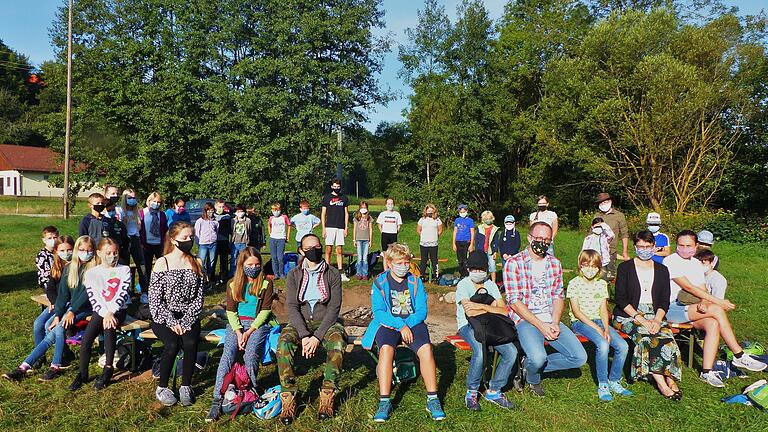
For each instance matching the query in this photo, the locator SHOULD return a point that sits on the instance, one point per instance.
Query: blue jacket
(382, 309)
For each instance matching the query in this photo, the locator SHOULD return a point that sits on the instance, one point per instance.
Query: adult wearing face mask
(389, 222)
(463, 238)
(312, 302)
(178, 212)
(467, 287)
(533, 281)
(543, 214)
(618, 223)
(509, 239)
(663, 248)
(691, 302)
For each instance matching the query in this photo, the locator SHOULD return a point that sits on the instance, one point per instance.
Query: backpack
(290, 260)
(491, 329)
(448, 280)
(143, 356)
(238, 394)
(759, 396)
(404, 365)
(373, 259)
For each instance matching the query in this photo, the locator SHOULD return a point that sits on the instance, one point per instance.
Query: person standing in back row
(463, 238)
(429, 228)
(389, 222)
(335, 220)
(223, 246)
(543, 214)
(618, 223)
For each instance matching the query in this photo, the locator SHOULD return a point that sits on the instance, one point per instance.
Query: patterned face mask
(540, 248)
(590, 272)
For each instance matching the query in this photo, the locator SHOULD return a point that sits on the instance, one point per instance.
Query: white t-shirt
(390, 221)
(107, 288)
(278, 226)
(548, 216)
(429, 228)
(716, 284)
(679, 267)
(645, 277)
(539, 301)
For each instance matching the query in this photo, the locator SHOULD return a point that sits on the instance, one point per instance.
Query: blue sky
(24, 27)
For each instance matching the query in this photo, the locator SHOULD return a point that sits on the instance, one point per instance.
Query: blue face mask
(305, 211)
(644, 254)
(131, 201)
(154, 205)
(111, 213)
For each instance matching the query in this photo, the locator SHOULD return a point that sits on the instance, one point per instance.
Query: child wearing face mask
(588, 295)
(44, 258)
(509, 239)
(178, 212)
(717, 284)
(362, 236)
(279, 232)
(71, 306)
(304, 221)
(429, 228)
(153, 225)
(399, 306)
(389, 222)
(463, 238)
(599, 240)
(206, 229)
(107, 287)
(241, 229)
(663, 248)
(97, 224)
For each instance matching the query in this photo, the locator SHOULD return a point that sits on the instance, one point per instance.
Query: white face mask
(653, 228)
(590, 272)
(390, 207)
(597, 230)
(275, 213)
(400, 270)
(509, 225)
(49, 242)
(463, 214)
(605, 206)
(240, 214)
(478, 276)
(363, 210)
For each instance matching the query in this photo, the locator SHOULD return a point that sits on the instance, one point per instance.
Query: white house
(24, 171)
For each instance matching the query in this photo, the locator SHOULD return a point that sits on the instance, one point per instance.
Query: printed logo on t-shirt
(336, 201)
(239, 229)
(401, 302)
(110, 290)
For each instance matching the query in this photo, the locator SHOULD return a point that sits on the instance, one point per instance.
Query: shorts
(491, 264)
(334, 236)
(678, 313)
(392, 337)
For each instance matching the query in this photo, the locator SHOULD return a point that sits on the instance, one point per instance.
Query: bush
(725, 225)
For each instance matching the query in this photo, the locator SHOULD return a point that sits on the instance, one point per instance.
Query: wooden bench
(687, 334)
(206, 336)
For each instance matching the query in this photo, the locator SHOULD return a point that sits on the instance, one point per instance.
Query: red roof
(26, 158)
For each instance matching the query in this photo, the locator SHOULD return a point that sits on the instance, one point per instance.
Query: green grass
(34, 205)
(571, 402)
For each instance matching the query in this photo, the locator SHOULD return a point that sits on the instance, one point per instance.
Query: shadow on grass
(19, 281)
(445, 357)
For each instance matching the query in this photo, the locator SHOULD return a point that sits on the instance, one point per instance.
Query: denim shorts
(392, 337)
(678, 313)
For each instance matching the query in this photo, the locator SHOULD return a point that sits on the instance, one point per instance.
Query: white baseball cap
(653, 218)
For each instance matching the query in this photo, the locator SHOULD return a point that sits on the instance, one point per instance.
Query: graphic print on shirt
(111, 289)
(538, 303)
(239, 228)
(401, 302)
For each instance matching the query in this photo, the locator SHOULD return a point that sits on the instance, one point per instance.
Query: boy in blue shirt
(304, 221)
(653, 220)
(463, 238)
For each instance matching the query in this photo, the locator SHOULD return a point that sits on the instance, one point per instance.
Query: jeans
(56, 337)
(570, 353)
(236, 249)
(277, 249)
(462, 249)
(503, 370)
(362, 257)
(254, 349)
(40, 326)
(429, 253)
(207, 254)
(620, 350)
(171, 344)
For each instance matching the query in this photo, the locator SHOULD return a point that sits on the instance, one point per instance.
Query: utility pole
(68, 133)
(338, 147)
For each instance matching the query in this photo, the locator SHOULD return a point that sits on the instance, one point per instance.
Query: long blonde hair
(429, 206)
(133, 208)
(154, 196)
(76, 270)
(237, 283)
(58, 264)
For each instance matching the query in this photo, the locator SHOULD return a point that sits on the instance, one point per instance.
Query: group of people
(90, 276)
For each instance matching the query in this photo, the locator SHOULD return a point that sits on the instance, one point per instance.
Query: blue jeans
(570, 354)
(236, 249)
(362, 257)
(620, 350)
(277, 249)
(207, 254)
(40, 326)
(503, 370)
(254, 349)
(56, 337)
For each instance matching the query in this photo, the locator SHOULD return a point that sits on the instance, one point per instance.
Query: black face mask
(99, 208)
(543, 208)
(336, 189)
(185, 246)
(314, 255)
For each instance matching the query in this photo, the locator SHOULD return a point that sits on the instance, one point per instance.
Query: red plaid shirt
(518, 280)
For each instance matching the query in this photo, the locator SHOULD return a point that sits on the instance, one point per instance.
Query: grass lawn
(37, 205)
(571, 402)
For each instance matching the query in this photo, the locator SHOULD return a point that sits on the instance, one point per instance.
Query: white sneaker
(344, 277)
(712, 378)
(749, 363)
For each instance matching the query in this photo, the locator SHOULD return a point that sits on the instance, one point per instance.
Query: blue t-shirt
(247, 308)
(463, 226)
(662, 240)
(303, 224)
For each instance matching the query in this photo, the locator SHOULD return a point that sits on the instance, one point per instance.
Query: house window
(45, 177)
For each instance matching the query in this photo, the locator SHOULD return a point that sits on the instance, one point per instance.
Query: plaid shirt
(518, 280)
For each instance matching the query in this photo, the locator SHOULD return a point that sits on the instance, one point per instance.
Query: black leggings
(386, 240)
(222, 258)
(428, 253)
(137, 253)
(171, 343)
(92, 331)
(150, 252)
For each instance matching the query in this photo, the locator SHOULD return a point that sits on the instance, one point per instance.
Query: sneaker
(186, 397)
(288, 411)
(435, 409)
(344, 277)
(618, 389)
(165, 396)
(470, 400)
(15, 374)
(51, 374)
(383, 412)
(499, 399)
(213, 413)
(536, 389)
(325, 408)
(604, 392)
(104, 379)
(77, 382)
(749, 363)
(712, 378)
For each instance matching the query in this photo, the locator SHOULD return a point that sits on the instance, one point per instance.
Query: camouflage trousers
(334, 343)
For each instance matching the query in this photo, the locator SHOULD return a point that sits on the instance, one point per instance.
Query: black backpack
(143, 356)
(491, 329)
